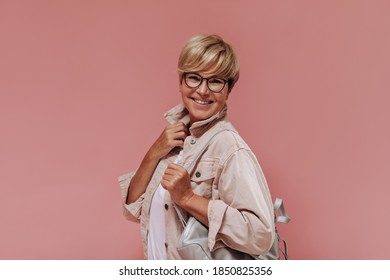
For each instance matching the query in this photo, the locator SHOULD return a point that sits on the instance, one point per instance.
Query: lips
(202, 102)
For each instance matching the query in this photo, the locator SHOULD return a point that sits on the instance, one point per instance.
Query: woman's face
(201, 102)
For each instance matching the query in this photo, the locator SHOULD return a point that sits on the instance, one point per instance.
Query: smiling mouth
(201, 102)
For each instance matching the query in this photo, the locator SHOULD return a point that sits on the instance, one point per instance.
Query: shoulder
(227, 141)
(230, 136)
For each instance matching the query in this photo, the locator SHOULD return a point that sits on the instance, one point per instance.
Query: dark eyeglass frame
(201, 81)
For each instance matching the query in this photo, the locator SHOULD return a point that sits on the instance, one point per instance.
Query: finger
(179, 135)
(169, 180)
(178, 143)
(180, 127)
(173, 166)
(164, 184)
(173, 128)
(176, 167)
(167, 184)
(170, 172)
(174, 170)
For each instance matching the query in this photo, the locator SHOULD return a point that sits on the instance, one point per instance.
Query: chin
(199, 117)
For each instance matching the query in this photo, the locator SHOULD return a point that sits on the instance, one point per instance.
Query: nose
(203, 89)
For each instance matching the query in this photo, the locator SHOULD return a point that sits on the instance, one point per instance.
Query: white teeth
(201, 102)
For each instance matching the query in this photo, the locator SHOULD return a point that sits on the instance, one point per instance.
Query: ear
(180, 83)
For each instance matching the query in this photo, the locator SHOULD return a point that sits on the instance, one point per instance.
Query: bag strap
(192, 165)
(281, 218)
(182, 220)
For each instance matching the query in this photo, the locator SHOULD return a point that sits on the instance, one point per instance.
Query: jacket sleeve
(243, 217)
(131, 211)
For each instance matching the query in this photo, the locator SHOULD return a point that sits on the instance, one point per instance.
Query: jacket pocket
(202, 177)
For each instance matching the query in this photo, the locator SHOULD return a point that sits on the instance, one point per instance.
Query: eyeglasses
(194, 80)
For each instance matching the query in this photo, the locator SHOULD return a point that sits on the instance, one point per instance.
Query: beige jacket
(240, 211)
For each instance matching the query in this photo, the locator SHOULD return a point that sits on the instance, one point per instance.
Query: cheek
(186, 92)
(183, 89)
(222, 100)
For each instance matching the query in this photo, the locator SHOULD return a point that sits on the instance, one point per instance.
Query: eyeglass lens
(194, 80)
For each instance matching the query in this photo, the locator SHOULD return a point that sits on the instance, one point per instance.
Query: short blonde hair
(210, 54)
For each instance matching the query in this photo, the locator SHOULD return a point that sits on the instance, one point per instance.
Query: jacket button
(193, 141)
(197, 174)
(166, 206)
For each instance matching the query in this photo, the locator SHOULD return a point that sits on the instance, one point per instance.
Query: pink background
(84, 85)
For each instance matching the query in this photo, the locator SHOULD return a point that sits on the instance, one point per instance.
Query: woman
(226, 190)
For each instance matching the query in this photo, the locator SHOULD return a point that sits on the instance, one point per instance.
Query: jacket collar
(180, 114)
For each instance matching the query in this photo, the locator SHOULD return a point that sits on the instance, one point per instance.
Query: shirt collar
(179, 113)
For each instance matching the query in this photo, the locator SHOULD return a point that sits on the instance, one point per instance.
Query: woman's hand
(176, 181)
(172, 136)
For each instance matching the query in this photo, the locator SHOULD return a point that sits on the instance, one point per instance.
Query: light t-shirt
(156, 236)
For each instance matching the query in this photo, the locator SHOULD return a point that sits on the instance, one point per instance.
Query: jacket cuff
(216, 212)
(131, 211)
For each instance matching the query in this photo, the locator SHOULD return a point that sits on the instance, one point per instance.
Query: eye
(216, 81)
(193, 78)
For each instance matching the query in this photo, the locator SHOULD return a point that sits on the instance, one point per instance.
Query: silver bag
(193, 243)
